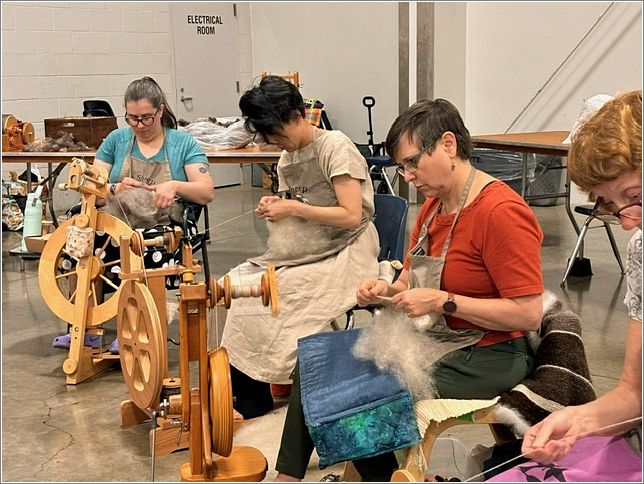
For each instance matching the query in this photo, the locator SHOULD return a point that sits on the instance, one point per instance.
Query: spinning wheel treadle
(52, 277)
(142, 348)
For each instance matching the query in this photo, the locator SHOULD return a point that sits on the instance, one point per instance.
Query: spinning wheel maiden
(204, 412)
(82, 306)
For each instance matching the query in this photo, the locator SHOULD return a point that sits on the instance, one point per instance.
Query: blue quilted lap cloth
(351, 408)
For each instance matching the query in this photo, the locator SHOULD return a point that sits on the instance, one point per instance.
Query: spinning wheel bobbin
(267, 290)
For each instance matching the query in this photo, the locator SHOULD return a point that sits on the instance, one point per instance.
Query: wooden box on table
(90, 130)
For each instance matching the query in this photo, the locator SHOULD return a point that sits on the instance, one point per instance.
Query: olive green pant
(469, 373)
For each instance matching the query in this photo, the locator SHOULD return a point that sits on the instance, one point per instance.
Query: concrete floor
(57, 432)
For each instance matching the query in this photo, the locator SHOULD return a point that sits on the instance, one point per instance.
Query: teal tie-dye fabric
(351, 408)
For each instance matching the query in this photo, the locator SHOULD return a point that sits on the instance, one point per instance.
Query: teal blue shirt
(182, 149)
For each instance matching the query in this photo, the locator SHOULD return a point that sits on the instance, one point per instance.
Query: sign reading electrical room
(205, 24)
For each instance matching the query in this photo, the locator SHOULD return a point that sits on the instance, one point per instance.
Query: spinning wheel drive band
(221, 402)
(142, 348)
(52, 277)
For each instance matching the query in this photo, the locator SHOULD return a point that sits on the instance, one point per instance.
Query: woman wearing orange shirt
(474, 267)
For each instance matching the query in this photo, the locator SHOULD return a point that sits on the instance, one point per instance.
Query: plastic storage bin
(549, 178)
(507, 166)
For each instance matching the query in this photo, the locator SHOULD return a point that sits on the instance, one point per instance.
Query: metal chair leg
(575, 250)
(613, 245)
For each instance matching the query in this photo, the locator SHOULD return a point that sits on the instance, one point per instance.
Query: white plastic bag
(591, 106)
(213, 136)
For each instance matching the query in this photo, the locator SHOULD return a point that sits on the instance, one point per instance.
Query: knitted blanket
(561, 376)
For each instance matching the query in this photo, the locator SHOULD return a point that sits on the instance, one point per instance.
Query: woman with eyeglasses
(152, 155)
(473, 265)
(605, 160)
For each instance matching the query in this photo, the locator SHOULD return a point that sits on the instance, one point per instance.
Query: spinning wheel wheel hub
(97, 266)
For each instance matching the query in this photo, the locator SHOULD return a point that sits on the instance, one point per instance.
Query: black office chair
(97, 107)
(578, 265)
(390, 220)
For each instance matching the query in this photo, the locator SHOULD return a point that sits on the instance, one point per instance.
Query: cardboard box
(91, 130)
(36, 243)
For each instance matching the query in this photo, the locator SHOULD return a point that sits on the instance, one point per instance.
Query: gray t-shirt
(633, 299)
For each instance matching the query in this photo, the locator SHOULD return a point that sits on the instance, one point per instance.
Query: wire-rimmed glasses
(631, 211)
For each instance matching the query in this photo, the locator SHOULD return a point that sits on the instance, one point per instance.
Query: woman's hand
(164, 193)
(553, 437)
(371, 291)
(264, 202)
(419, 301)
(128, 183)
(275, 209)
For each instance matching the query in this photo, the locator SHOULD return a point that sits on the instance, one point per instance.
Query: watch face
(449, 307)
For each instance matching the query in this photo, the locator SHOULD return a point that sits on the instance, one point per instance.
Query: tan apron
(307, 183)
(426, 271)
(312, 294)
(150, 173)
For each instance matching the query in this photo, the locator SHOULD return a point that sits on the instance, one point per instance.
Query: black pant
(251, 398)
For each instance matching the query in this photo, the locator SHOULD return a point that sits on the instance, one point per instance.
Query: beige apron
(150, 173)
(307, 183)
(312, 293)
(426, 271)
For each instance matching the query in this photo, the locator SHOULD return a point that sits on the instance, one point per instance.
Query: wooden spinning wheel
(142, 347)
(54, 271)
(72, 286)
(204, 412)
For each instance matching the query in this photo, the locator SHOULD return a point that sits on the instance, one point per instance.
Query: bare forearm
(334, 216)
(195, 191)
(502, 314)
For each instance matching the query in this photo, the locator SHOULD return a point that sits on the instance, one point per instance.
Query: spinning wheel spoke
(110, 283)
(114, 262)
(93, 292)
(66, 274)
(71, 298)
(102, 249)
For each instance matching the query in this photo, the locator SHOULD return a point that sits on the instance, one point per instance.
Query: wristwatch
(113, 188)
(449, 306)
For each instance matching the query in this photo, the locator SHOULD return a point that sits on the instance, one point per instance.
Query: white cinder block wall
(490, 57)
(55, 55)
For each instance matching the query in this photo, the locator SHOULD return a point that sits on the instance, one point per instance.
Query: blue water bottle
(33, 217)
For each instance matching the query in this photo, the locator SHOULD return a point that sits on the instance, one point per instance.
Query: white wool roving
(394, 344)
(295, 237)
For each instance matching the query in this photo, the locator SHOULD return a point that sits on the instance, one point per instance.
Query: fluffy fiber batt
(136, 208)
(295, 237)
(402, 346)
(395, 345)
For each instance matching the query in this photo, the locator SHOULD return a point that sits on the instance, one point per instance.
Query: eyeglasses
(631, 211)
(144, 120)
(411, 165)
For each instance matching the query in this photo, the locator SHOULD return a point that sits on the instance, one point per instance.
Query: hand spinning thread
(578, 436)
